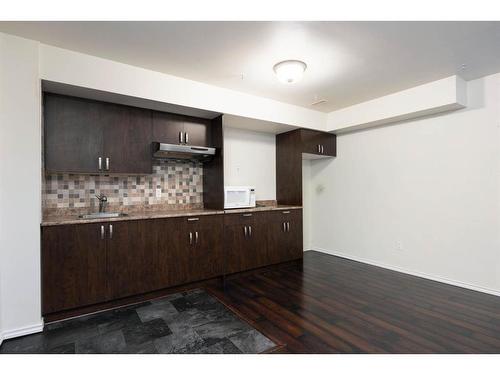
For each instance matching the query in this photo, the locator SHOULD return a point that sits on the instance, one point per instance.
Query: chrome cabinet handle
(288, 226)
(284, 227)
(186, 136)
(247, 215)
(193, 218)
(100, 163)
(246, 231)
(319, 149)
(110, 230)
(107, 164)
(196, 237)
(250, 231)
(102, 232)
(286, 212)
(190, 238)
(322, 149)
(181, 138)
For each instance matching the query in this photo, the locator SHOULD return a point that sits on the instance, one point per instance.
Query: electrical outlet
(158, 193)
(399, 246)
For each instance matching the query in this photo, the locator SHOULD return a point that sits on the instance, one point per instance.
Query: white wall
(432, 184)
(250, 159)
(20, 186)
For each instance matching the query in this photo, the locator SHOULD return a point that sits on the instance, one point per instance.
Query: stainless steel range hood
(172, 151)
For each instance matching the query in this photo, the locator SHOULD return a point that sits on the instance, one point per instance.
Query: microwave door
(237, 198)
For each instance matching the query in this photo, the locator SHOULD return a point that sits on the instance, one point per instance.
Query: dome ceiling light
(290, 71)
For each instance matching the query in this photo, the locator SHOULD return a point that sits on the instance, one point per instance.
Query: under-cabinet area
(134, 202)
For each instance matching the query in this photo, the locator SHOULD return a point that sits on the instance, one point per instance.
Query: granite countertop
(261, 208)
(62, 218)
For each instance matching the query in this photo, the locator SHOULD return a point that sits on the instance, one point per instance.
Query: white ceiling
(348, 62)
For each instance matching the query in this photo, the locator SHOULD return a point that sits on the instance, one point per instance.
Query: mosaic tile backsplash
(181, 184)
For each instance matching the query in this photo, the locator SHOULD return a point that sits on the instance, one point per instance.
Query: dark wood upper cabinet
(127, 139)
(180, 129)
(318, 142)
(88, 136)
(73, 135)
(167, 127)
(291, 148)
(73, 267)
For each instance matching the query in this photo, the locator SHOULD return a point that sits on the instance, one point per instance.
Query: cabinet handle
(322, 149)
(288, 226)
(186, 135)
(284, 227)
(286, 212)
(247, 215)
(245, 230)
(190, 238)
(181, 138)
(102, 232)
(250, 231)
(107, 164)
(110, 230)
(196, 236)
(100, 163)
(319, 149)
(193, 218)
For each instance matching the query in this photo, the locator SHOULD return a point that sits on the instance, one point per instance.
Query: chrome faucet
(103, 200)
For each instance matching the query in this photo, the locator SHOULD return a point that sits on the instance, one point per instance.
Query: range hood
(172, 151)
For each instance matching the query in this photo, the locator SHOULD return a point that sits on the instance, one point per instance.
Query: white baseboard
(26, 330)
(409, 272)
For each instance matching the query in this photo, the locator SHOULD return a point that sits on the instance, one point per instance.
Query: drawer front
(243, 218)
(285, 215)
(191, 221)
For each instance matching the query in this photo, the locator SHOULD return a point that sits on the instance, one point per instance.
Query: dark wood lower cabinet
(73, 267)
(285, 236)
(86, 264)
(131, 253)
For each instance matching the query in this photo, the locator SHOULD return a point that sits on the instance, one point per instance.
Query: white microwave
(239, 196)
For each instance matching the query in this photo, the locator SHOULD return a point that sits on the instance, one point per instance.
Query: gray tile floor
(189, 322)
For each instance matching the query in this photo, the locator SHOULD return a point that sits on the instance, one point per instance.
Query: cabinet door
(197, 131)
(329, 143)
(311, 139)
(205, 250)
(285, 236)
(173, 255)
(73, 134)
(131, 256)
(73, 267)
(245, 241)
(167, 127)
(127, 139)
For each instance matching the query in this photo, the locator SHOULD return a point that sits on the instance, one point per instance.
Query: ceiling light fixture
(290, 71)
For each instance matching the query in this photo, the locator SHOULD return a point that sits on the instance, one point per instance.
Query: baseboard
(27, 330)
(410, 272)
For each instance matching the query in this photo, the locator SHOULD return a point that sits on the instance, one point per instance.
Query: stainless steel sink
(102, 215)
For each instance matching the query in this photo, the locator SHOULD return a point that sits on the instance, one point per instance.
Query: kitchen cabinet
(245, 241)
(291, 148)
(285, 236)
(88, 136)
(131, 254)
(180, 129)
(73, 266)
(190, 249)
(318, 142)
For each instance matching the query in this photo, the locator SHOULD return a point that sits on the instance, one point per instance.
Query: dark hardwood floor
(327, 304)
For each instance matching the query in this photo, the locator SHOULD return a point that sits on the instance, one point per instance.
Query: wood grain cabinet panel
(73, 267)
(285, 236)
(131, 254)
(245, 241)
(73, 135)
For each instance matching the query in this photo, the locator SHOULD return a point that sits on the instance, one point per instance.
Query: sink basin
(102, 215)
